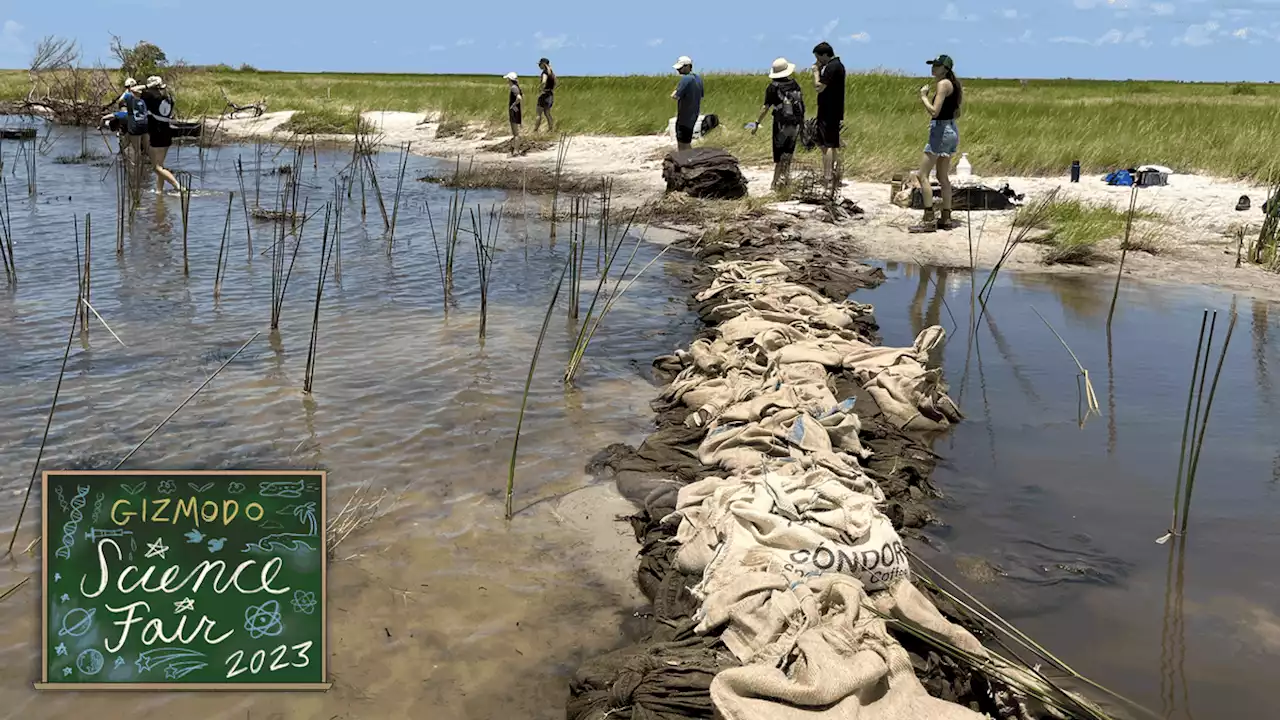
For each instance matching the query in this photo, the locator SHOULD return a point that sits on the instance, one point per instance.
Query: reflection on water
(440, 603)
(1070, 513)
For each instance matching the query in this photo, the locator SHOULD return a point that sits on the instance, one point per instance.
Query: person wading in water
(944, 140)
(688, 97)
(546, 96)
(785, 98)
(159, 133)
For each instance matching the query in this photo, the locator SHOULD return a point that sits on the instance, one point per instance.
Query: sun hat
(510, 76)
(154, 81)
(684, 61)
(781, 68)
(130, 82)
(943, 60)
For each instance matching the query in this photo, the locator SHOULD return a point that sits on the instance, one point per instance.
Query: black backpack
(790, 111)
(136, 118)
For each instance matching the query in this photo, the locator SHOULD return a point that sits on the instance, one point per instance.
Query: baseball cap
(682, 62)
(510, 76)
(943, 60)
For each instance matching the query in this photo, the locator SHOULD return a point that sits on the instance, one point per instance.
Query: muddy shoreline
(650, 475)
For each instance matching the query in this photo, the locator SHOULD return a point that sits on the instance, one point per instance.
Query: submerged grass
(1218, 127)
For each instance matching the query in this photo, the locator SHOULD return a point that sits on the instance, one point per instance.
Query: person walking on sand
(688, 97)
(785, 98)
(828, 79)
(159, 103)
(944, 139)
(546, 95)
(515, 101)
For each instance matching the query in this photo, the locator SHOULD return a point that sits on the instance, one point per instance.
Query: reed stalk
(184, 199)
(528, 383)
(338, 208)
(377, 190)
(1124, 252)
(244, 201)
(88, 275)
(395, 206)
(280, 280)
(1018, 233)
(486, 241)
(6, 241)
(1090, 397)
(219, 270)
(326, 254)
(1204, 424)
(57, 389)
(562, 150)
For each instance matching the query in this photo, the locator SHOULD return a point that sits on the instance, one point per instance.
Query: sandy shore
(1194, 233)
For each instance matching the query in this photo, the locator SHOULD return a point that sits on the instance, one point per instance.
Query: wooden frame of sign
(277, 542)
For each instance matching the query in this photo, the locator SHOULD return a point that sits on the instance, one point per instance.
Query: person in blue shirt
(688, 97)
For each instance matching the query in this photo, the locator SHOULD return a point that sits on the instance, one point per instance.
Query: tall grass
(1103, 124)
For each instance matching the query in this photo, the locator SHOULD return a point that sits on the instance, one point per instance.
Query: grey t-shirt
(689, 100)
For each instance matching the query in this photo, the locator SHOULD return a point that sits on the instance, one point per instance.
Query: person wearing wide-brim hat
(515, 102)
(944, 140)
(786, 99)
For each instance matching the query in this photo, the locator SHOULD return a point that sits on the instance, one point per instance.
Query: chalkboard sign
(164, 580)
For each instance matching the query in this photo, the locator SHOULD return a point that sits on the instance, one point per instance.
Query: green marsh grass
(1007, 128)
(1073, 229)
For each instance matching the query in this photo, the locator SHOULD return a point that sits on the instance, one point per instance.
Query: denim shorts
(944, 138)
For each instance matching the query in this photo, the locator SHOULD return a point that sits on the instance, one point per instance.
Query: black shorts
(160, 135)
(546, 100)
(784, 141)
(513, 116)
(828, 132)
(684, 134)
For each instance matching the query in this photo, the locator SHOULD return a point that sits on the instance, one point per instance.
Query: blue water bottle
(1075, 171)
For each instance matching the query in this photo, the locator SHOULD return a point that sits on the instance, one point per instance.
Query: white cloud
(830, 27)
(11, 42)
(552, 42)
(654, 42)
(1069, 39)
(1198, 35)
(436, 48)
(1110, 37)
(1162, 8)
(1011, 13)
(860, 37)
(1023, 39)
(463, 42)
(951, 13)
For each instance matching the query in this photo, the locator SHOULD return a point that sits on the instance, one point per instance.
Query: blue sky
(1150, 39)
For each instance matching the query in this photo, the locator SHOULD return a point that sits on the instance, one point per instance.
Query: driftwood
(231, 109)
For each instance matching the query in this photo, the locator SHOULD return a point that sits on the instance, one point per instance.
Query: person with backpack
(546, 96)
(785, 98)
(159, 133)
(135, 125)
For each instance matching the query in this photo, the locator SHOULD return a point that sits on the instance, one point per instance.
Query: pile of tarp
(704, 173)
(772, 565)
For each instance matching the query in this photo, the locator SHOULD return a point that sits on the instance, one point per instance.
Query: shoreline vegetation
(1036, 127)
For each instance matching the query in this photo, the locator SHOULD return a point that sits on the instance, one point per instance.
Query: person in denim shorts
(944, 141)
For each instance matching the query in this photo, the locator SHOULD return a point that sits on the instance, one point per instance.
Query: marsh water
(1054, 526)
(439, 603)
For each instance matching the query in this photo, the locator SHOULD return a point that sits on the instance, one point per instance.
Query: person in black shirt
(828, 78)
(785, 98)
(944, 139)
(159, 133)
(546, 96)
(515, 100)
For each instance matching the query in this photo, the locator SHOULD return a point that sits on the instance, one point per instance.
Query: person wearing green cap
(944, 140)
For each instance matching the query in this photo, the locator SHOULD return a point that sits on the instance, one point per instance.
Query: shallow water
(1071, 515)
(439, 603)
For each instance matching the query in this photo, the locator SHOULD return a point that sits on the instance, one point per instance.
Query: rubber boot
(945, 222)
(928, 225)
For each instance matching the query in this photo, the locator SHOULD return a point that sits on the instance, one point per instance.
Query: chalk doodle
(157, 548)
(292, 542)
(97, 507)
(201, 488)
(90, 662)
(76, 622)
(281, 488)
(195, 537)
(158, 657)
(95, 533)
(66, 671)
(135, 489)
(305, 513)
(61, 649)
(70, 526)
(304, 601)
(119, 663)
(215, 544)
(235, 488)
(184, 605)
(65, 597)
(168, 487)
(263, 620)
(62, 501)
(57, 576)
(181, 669)
(271, 525)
